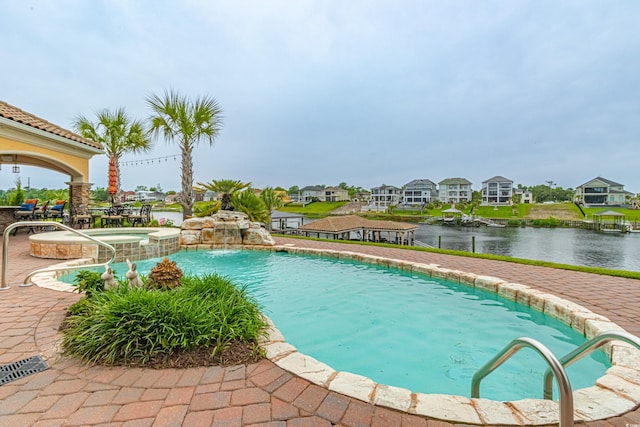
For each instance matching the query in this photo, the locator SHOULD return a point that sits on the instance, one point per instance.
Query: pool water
(396, 327)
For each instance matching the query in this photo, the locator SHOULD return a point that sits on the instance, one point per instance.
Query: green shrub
(134, 325)
(82, 307)
(547, 223)
(89, 282)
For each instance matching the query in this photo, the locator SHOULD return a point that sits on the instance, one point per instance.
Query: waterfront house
(454, 190)
(497, 191)
(419, 192)
(361, 196)
(335, 194)
(384, 196)
(311, 193)
(128, 196)
(601, 191)
(526, 196)
(148, 196)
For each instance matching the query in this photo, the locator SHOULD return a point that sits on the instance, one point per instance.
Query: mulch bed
(236, 353)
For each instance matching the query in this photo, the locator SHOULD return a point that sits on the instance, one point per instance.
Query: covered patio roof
(367, 229)
(26, 139)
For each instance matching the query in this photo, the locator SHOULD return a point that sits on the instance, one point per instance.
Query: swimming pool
(395, 327)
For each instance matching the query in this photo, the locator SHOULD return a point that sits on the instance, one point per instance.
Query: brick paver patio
(70, 393)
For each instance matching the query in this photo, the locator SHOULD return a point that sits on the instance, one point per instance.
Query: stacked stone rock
(225, 228)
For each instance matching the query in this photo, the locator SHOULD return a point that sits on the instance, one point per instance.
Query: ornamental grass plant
(136, 325)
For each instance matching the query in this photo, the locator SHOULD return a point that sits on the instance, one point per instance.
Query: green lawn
(632, 215)
(315, 209)
(524, 210)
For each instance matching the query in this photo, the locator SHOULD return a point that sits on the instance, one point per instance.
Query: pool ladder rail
(5, 252)
(556, 366)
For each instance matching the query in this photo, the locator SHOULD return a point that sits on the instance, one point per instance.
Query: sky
(366, 92)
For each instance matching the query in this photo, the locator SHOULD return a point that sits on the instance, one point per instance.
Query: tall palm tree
(118, 134)
(226, 188)
(186, 123)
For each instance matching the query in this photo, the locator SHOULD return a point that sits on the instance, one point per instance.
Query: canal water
(573, 246)
(619, 251)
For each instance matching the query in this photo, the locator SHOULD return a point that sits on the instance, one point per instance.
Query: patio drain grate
(22, 368)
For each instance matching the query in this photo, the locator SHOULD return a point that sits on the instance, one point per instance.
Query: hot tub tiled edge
(66, 245)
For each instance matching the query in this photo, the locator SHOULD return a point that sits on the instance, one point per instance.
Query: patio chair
(143, 217)
(26, 212)
(80, 216)
(41, 213)
(112, 217)
(57, 210)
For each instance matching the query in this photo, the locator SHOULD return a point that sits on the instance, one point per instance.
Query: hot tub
(130, 243)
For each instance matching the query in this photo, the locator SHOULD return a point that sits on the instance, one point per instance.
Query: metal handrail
(5, 252)
(566, 398)
(585, 349)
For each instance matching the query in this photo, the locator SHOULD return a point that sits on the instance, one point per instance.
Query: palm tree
(226, 188)
(185, 122)
(250, 204)
(117, 133)
(272, 199)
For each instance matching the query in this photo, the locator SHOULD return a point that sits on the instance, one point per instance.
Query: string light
(148, 161)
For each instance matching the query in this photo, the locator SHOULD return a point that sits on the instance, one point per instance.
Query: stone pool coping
(616, 393)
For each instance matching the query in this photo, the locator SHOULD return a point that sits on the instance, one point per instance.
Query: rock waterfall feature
(224, 228)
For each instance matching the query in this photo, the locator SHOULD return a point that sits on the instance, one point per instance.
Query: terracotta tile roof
(17, 115)
(341, 224)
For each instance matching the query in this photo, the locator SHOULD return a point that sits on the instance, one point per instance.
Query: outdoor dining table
(102, 213)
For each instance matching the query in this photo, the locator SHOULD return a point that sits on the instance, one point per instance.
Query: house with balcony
(454, 190)
(497, 191)
(419, 192)
(601, 191)
(526, 196)
(335, 194)
(384, 197)
(311, 193)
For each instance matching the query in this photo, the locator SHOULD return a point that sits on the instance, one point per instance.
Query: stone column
(79, 193)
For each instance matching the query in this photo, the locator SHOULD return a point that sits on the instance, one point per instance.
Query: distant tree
(60, 194)
(294, 189)
(226, 188)
(476, 197)
(546, 193)
(186, 123)
(141, 188)
(16, 197)
(118, 134)
(100, 194)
